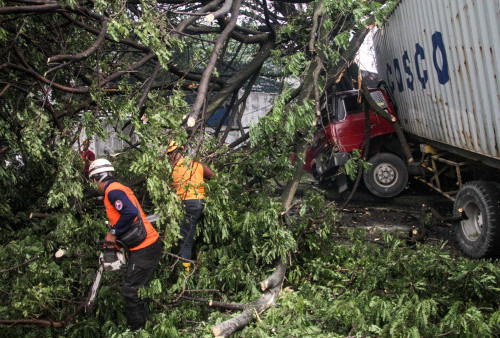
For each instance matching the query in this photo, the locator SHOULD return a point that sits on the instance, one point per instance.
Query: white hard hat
(100, 166)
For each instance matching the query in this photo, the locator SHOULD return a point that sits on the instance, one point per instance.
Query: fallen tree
(145, 68)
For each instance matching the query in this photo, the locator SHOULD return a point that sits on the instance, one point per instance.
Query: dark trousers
(140, 271)
(193, 210)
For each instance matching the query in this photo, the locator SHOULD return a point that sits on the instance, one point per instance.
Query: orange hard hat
(172, 146)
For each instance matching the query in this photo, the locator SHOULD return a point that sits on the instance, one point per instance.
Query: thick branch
(267, 300)
(203, 88)
(237, 81)
(86, 53)
(397, 127)
(275, 279)
(226, 6)
(192, 19)
(29, 9)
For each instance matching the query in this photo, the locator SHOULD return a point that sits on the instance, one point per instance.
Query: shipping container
(441, 62)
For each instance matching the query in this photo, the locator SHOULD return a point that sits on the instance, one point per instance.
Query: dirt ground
(401, 215)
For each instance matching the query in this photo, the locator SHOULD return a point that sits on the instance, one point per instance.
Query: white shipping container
(440, 59)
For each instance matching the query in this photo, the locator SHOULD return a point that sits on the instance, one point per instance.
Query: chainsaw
(112, 258)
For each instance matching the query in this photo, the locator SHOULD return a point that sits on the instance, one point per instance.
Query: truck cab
(343, 129)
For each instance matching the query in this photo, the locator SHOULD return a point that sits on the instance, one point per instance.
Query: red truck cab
(343, 129)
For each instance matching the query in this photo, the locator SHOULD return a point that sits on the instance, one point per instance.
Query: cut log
(39, 215)
(275, 279)
(232, 325)
(272, 287)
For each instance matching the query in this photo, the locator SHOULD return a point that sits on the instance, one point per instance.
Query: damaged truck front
(440, 60)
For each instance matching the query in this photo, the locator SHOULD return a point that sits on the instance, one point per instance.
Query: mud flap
(415, 169)
(341, 182)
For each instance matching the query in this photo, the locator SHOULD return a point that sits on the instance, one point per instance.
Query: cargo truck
(440, 61)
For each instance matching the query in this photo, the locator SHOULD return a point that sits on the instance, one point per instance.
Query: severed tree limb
(275, 279)
(211, 5)
(39, 215)
(258, 306)
(226, 6)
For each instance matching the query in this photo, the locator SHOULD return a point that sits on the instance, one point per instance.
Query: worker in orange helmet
(189, 181)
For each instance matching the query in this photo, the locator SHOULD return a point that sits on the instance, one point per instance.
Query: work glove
(110, 238)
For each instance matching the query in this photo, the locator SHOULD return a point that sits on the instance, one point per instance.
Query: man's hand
(110, 238)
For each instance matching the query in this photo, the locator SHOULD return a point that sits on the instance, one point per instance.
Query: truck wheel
(387, 176)
(479, 235)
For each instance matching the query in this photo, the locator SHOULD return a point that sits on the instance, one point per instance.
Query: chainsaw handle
(103, 244)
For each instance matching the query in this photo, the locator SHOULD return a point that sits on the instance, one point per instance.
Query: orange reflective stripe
(114, 215)
(188, 179)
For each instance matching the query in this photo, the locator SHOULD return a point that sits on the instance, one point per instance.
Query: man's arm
(207, 172)
(125, 207)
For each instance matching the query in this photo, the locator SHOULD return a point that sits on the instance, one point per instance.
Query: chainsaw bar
(95, 287)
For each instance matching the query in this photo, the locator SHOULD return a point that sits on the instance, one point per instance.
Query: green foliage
(352, 165)
(354, 288)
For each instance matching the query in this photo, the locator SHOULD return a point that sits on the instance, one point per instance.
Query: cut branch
(226, 6)
(38, 215)
(258, 306)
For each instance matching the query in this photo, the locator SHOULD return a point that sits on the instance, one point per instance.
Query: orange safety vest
(114, 215)
(188, 179)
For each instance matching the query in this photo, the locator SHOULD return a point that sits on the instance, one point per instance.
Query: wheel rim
(385, 174)
(473, 226)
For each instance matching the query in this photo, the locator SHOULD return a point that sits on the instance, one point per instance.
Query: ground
(401, 214)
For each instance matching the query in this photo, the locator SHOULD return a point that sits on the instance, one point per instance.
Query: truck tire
(479, 235)
(387, 176)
